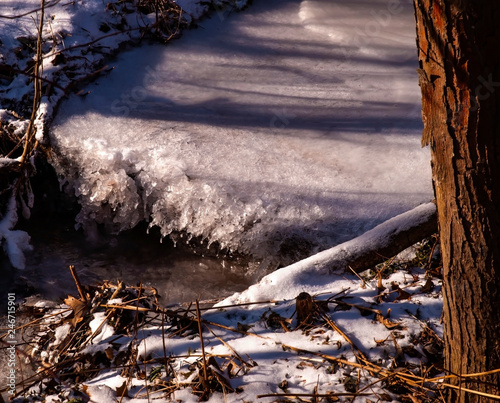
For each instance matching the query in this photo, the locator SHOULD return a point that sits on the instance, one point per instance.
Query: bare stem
(38, 88)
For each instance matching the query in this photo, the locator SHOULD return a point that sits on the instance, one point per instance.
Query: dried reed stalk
(31, 131)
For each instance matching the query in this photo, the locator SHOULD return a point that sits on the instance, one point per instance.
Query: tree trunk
(459, 55)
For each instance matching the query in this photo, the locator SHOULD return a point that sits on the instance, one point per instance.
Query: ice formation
(15, 242)
(253, 132)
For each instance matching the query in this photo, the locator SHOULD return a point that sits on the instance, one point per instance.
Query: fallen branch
(378, 244)
(361, 253)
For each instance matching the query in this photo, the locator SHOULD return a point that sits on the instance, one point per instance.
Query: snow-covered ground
(285, 129)
(369, 339)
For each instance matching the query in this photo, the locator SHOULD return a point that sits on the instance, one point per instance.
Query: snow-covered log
(374, 246)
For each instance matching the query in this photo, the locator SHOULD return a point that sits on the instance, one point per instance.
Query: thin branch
(200, 330)
(83, 296)
(38, 89)
(13, 17)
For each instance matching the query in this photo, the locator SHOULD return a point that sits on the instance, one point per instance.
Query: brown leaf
(386, 322)
(381, 341)
(122, 391)
(109, 353)
(402, 294)
(79, 308)
(243, 327)
(427, 287)
(276, 321)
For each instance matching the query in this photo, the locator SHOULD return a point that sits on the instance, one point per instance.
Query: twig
(359, 307)
(13, 17)
(38, 89)
(33, 322)
(234, 330)
(361, 278)
(426, 326)
(83, 296)
(35, 76)
(211, 308)
(475, 392)
(99, 328)
(326, 357)
(228, 346)
(474, 375)
(429, 262)
(82, 45)
(118, 288)
(332, 324)
(200, 330)
(163, 338)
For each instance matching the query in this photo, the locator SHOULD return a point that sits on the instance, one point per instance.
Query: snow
(76, 46)
(61, 333)
(387, 32)
(15, 242)
(101, 330)
(254, 132)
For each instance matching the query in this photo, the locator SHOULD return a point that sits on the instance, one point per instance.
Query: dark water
(178, 273)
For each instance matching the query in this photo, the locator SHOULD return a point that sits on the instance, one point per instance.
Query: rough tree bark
(459, 55)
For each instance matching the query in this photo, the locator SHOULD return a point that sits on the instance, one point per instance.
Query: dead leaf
(386, 322)
(242, 327)
(276, 321)
(122, 391)
(79, 308)
(402, 294)
(381, 341)
(109, 353)
(427, 287)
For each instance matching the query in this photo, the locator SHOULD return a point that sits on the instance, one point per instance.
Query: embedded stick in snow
(305, 309)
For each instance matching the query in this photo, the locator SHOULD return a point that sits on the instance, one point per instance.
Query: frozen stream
(285, 129)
